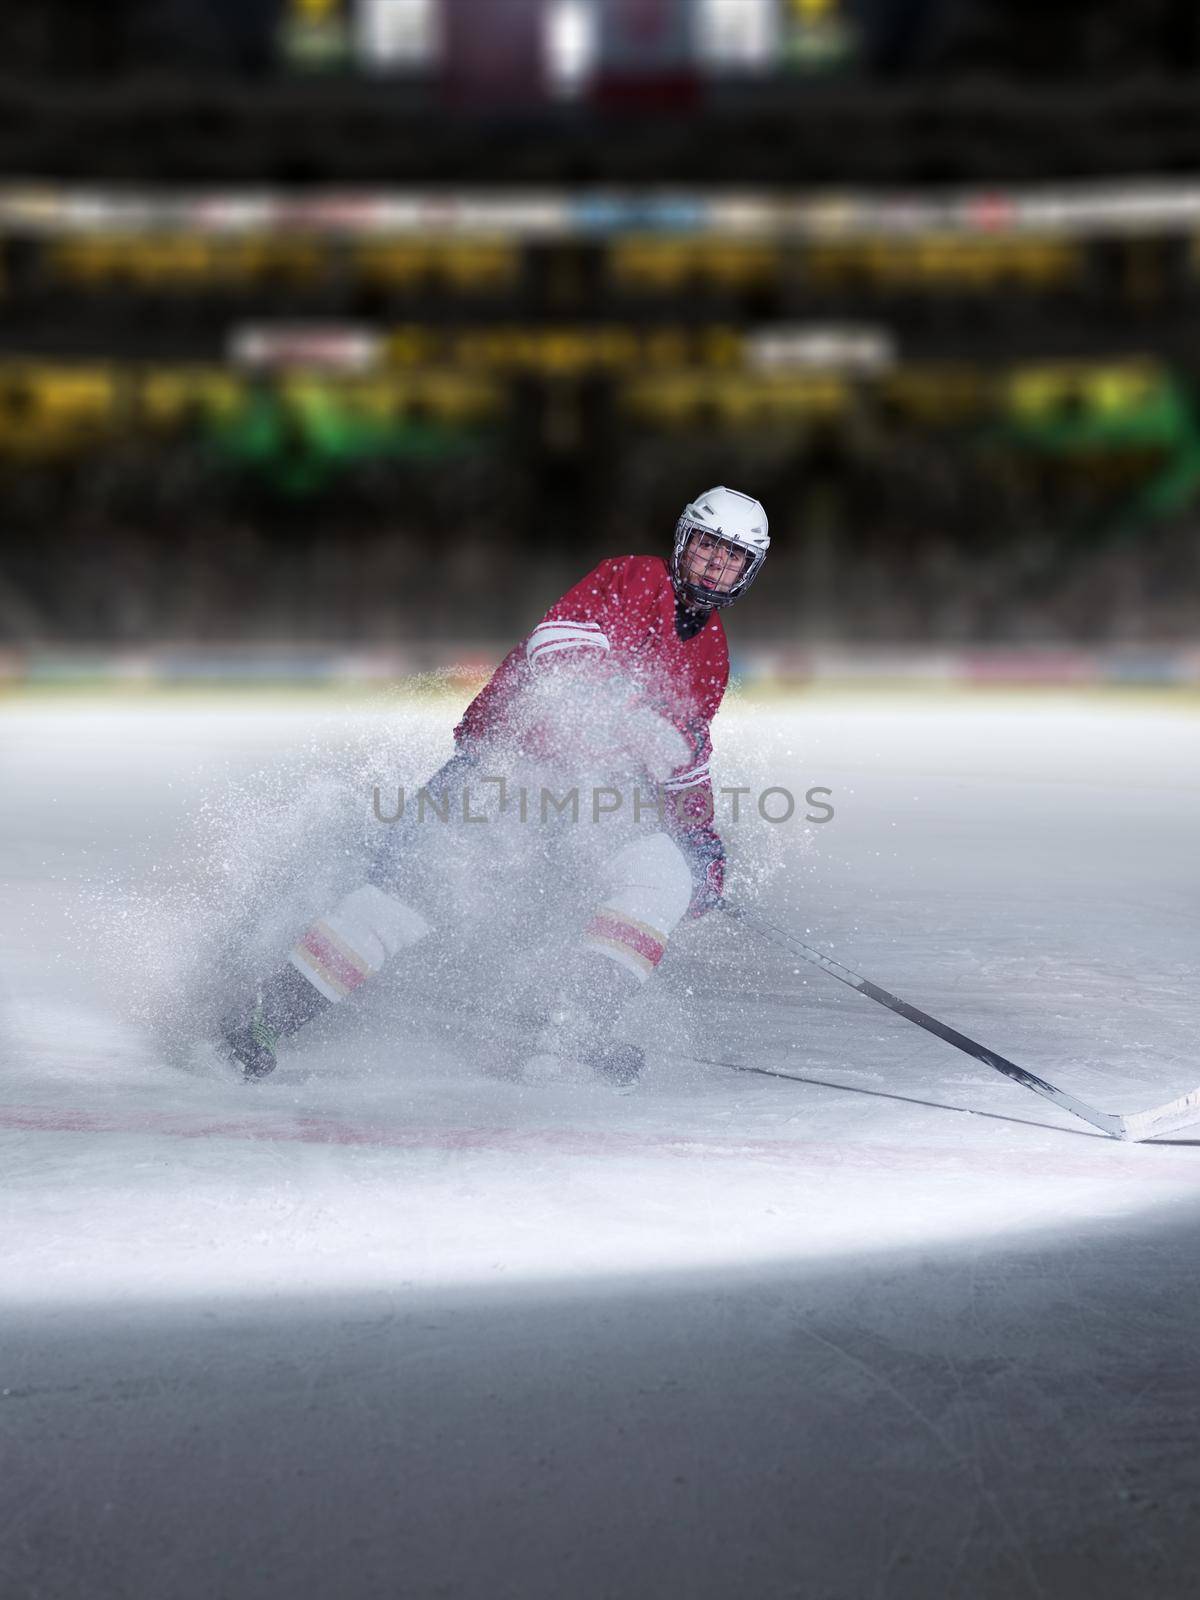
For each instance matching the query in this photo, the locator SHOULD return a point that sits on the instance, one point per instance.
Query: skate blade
(566, 1072)
(204, 1059)
(551, 1069)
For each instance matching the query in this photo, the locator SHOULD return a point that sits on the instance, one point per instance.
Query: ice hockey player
(637, 621)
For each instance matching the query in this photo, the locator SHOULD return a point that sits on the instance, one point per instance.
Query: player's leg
(334, 958)
(647, 890)
(339, 952)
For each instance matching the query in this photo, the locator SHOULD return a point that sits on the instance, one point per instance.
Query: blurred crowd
(334, 323)
(896, 536)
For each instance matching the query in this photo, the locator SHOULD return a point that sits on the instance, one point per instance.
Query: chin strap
(689, 618)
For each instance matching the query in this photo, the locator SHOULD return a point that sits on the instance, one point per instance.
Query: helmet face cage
(696, 591)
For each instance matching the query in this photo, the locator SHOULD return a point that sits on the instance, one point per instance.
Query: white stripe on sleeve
(551, 638)
(687, 780)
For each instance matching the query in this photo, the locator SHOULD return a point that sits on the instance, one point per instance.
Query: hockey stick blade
(1176, 1114)
(1136, 1127)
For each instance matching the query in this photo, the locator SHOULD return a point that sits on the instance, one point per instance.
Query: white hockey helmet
(740, 524)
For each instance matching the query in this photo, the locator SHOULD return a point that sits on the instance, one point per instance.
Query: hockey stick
(1138, 1125)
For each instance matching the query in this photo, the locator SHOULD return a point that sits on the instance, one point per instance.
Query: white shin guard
(648, 889)
(363, 931)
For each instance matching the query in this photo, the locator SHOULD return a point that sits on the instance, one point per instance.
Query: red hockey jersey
(622, 615)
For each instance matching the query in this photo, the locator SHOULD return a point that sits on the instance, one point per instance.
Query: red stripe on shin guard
(634, 936)
(332, 961)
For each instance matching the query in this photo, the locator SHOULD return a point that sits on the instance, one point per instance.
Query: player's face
(710, 561)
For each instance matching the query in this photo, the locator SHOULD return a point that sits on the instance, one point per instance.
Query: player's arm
(690, 811)
(580, 701)
(574, 632)
(691, 806)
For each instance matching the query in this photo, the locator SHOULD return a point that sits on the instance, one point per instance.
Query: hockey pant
(647, 886)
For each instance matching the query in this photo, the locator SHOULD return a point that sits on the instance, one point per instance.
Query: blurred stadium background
(340, 335)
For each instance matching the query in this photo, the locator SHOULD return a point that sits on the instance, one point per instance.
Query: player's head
(721, 541)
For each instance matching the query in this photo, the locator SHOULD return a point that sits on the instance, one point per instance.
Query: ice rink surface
(386, 1326)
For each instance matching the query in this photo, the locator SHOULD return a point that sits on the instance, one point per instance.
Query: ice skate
(618, 1065)
(576, 1044)
(251, 1044)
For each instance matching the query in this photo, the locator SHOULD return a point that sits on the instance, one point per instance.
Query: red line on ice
(579, 1141)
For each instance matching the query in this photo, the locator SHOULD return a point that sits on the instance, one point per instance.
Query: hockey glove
(706, 856)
